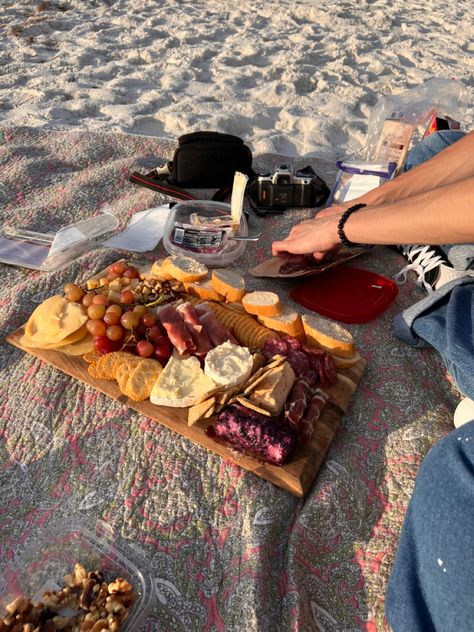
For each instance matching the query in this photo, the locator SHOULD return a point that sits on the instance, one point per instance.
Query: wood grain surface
(296, 476)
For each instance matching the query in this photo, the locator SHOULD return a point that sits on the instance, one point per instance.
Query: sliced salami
(292, 343)
(299, 362)
(274, 346)
(297, 402)
(313, 351)
(329, 369)
(313, 412)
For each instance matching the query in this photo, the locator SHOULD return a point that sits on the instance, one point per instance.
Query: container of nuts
(76, 580)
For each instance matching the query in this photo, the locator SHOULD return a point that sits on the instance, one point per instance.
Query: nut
(101, 624)
(120, 585)
(19, 604)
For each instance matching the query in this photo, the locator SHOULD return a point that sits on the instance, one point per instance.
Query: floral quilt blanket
(226, 549)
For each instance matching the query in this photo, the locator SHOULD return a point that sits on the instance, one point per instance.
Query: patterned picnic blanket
(226, 549)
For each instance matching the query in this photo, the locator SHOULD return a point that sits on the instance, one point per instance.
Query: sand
(294, 78)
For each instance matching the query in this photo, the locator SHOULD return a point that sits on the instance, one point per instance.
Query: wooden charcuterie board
(296, 476)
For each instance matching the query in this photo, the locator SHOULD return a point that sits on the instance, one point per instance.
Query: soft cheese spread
(228, 364)
(181, 383)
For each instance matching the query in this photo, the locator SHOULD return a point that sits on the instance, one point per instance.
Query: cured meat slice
(308, 422)
(175, 327)
(329, 369)
(297, 402)
(273, 347)
(250, 432)
(292, 343)
(313, 351)
(213, 327)
(199, 334)
(298, 360)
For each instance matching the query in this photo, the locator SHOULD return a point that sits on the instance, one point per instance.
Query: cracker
(196, 412)
(248, 404)
(127, 361)
(258, 361)
(209, 413)
(141, 380)
(106, 362)
(255, 382)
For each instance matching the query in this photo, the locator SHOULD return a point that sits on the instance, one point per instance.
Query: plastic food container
(204, 230)
(53, 553)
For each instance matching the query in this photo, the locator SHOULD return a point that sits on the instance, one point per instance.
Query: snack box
(52, 554)
(204, 230)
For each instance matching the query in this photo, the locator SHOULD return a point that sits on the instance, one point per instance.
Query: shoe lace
(422, 259)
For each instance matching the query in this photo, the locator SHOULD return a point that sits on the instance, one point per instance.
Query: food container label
(198, 240)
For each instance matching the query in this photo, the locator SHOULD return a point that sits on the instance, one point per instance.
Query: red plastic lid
(350, 295)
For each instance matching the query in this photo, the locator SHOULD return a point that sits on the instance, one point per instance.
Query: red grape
(111, 318)
(96, 327)
(96, 312)
(117, 268)
(148, 319)
(100, 299)
(130, 273)
(127, 297)
(145, 349)
(129, 320)
(103, 345)
(87, 299)
(114, 332)
(141, 310)
(154, 332)
(163, 351)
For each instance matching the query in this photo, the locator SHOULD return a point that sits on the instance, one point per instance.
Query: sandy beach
(294, 78)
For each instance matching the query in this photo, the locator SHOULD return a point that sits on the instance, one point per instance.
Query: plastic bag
(400, 119)
(356, 178)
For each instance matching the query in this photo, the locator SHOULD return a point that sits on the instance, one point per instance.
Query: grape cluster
(124, 326)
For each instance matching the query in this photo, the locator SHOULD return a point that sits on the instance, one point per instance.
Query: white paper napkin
(144, 231)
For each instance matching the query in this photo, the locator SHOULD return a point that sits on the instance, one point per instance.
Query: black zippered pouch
(202, 160)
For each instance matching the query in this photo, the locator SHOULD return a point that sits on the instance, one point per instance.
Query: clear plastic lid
(52, 554)
(205, 231)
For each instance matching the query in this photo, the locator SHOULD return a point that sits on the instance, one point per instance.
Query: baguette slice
(262, 303)
(287, 322)
(329, 335)
(185, 269)
(203, 289)
(158, 272)
(229, 284)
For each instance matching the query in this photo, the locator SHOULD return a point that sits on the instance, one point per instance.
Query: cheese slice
(181, 383)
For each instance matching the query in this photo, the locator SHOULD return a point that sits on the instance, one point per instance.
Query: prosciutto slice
(297, 402)
(200, 336)
(215, 329)
(313, 412)
(176, 328)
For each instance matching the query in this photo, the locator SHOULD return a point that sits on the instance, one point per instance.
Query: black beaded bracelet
(342, 221)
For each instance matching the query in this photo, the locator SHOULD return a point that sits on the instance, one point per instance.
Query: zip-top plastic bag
(398, 120)
(355, 178)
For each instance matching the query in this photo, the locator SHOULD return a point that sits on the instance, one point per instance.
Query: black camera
(285, 188)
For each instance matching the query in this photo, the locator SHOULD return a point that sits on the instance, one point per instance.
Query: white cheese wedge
(228, 364)
(181, 383)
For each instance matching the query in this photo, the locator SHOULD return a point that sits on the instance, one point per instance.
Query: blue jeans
(448, 324)
(431, 588)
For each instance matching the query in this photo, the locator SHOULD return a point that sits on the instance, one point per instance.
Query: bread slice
(229, 284)
(287, 322)
(262, 303)
(185, 269)
(203, 289)
(344, 363)
(329, 335)
(158, 272)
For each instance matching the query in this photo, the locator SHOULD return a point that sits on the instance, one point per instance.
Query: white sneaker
(431, 266)
(464, 412)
